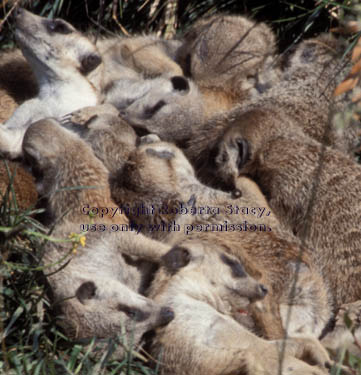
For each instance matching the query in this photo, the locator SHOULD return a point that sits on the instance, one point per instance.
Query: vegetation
(31, 340)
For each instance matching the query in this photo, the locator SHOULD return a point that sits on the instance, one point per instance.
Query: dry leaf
(356, 68)
(346, 85)
(356, 52)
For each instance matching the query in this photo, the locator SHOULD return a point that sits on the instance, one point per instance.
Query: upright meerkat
(202, 284)
(68, 70)
(98, 289)
(158, 177)
(302, 181)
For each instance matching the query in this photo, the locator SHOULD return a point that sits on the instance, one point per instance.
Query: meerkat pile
(218, 200)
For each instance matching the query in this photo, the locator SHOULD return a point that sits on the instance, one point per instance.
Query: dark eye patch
(167, 155)
(133, 313)
(180, 83)
(86, 291)
(175, 259)
(243, 152)
(89, 63)
(236, 267)
(58, 27)
(149, 112)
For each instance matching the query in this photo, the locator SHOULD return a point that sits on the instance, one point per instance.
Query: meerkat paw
(149, 138)
(83, 116)
(309, 350)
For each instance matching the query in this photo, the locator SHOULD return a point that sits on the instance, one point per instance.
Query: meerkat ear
(175, 259)
(243, 152)
(86, 291)
(180, 83)
(89, 63)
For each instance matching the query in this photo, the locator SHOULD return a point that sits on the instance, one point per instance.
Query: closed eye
(149, 112)
(134, 313)
(59, 27)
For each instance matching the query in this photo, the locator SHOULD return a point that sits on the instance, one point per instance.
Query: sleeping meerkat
(100, 288)
(225, 69)
(202, 283)
(302, 181)
(158, 177)
(68, 70)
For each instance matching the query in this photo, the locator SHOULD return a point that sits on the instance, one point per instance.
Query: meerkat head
(56, 50)
(66, 171)
(206, 53)
(160, 164)
(223, 273)
(315, 56)
(140, 314)
(168, 109)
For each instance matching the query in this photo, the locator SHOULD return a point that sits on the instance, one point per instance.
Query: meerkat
(158, 178)
(302, 180)
(202, 283)
(99, 290)
(68, 70)
(226, 68)
(305, 91)
(17, 186)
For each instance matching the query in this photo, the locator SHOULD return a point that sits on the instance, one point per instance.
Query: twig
(7, 16)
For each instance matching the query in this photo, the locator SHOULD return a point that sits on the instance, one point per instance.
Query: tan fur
(204, 338)
(158, 173)
(14, 178)
(98, 291)
(314, 190)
